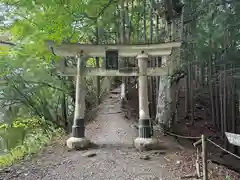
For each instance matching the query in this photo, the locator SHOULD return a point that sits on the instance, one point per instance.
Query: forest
(37, 102)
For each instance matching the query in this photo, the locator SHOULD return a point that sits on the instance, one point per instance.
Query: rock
(144, 144)
(7, 170)
(89, 154)
(167, 159)
(192, 176)
(178, 162)
(145, 157)
(19, 172)
(66, 161)
(74, 143)
(157, 153)
(50, 151)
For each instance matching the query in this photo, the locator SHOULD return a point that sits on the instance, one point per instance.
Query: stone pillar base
(74, 143)
(145, 130)
(146, 143)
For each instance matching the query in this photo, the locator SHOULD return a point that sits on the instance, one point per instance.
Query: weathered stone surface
(89, 154)
(146, 143)
(158, 153)
(77, 143)
(145, 157)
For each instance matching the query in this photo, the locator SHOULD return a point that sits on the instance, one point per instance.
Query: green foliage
(216, 27)
(228, 178)
(33, 86)
(24, 137)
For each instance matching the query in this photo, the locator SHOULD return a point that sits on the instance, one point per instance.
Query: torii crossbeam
(90, 50)
(128, 50)
(142, 53)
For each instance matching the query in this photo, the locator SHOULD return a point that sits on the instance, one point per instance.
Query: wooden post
(204, 158)
(198, 165)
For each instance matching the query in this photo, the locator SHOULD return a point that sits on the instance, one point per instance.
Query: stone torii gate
(142, 53)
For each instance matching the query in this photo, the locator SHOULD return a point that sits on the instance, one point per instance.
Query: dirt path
(116, 159)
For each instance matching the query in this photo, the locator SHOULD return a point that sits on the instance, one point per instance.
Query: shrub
(24, 137)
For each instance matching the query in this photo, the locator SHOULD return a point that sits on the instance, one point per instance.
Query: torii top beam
(71, 49)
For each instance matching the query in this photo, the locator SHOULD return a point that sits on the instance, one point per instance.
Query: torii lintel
(124, 50)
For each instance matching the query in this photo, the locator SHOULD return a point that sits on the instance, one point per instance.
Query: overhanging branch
(4, 43)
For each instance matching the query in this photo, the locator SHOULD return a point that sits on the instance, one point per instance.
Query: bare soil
(115, 157)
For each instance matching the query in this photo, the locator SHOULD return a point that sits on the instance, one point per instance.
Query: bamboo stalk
(225, 104)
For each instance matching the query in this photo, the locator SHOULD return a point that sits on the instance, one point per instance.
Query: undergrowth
(23, 138)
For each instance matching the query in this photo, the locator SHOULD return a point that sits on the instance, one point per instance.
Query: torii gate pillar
(78, 140)
(145, 139)
(144, 118)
